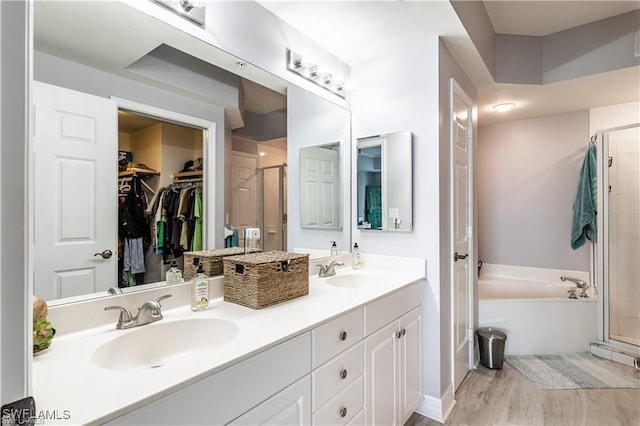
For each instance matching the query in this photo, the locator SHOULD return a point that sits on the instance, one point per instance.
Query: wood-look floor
(505, 397)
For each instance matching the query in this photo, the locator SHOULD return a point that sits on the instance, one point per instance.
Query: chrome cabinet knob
(343, 374)
(106, 254)
(343, 412)
(343, 335)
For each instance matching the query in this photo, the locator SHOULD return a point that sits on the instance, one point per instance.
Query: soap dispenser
(174, 275)
(357, 262)
(334, 248)
(199, 289)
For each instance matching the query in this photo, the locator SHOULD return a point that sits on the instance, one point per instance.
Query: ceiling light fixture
(190, 9)
(311, 71)
(504, 107)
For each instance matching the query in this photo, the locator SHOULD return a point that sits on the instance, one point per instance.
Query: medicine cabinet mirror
(156, 72)
(385, 182)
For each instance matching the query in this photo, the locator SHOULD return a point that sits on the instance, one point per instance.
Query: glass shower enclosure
(618, 249)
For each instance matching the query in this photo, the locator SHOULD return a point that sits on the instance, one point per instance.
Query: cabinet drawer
(330, 339)
(391, 307)
(343, 407)
(334, 376)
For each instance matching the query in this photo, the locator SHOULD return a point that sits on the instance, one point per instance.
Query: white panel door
(75, 146)
(244, 195)
(320, 188)
(461, 126)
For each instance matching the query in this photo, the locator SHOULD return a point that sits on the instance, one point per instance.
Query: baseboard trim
(438, 409)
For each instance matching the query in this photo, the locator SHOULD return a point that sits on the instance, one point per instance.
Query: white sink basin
(154, 345)
(355, 280)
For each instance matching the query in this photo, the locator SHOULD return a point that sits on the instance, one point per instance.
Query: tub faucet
(579, 283)
(329, 270)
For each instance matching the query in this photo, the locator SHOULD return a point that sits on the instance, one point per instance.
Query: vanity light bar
(311, 71)
(190, 9)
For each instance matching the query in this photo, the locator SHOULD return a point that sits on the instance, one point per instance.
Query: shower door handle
(457, 256)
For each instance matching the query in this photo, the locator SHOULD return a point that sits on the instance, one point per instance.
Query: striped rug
(570, 371)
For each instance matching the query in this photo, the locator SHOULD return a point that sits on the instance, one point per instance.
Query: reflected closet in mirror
(160, 191)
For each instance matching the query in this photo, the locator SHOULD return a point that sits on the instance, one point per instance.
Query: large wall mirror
(385, 182)
(319, 154)
(173, 125)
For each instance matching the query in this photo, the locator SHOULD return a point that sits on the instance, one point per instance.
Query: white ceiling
(358, 31)
(540, 18)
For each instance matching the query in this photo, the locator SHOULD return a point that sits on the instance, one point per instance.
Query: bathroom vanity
(348, 353)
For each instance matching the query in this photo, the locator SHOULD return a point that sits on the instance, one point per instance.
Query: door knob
(106, 254)
(457, 256)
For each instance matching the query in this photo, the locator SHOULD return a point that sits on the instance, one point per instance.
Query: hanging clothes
(133, 232)
(176, 220)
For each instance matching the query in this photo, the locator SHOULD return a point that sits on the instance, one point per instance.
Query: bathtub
(532, 306)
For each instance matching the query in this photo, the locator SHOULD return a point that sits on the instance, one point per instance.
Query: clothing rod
(145, 184)
(180, 181)
(277, 166)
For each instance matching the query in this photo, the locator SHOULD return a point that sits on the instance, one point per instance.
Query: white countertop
(73, 390)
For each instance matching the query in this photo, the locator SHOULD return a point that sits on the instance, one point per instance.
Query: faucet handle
(166, 296)
(125, 314)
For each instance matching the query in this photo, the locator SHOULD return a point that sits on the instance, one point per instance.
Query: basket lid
(266, 257)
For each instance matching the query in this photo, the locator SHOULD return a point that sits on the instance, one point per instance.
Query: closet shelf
(187, 175)
(136, 171)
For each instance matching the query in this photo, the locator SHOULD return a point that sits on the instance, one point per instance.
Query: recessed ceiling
(540, 18)
(357, 32)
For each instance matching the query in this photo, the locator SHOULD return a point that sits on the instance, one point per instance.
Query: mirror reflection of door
(75, 181)
(320, 173)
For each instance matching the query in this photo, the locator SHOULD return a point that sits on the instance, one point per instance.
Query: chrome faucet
(150, 311)
(579, 283)
(329, 270)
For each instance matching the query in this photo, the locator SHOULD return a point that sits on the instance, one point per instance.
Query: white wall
(390, 98)
(527, 181)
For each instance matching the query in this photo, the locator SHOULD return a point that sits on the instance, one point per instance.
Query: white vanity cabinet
(393, 359)
(234, 391)
(362, 367)
(338, 360)
(289, 407)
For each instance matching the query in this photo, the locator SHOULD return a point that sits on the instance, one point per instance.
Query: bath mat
(570, 371)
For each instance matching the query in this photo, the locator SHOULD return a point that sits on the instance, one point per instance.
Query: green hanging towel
(585, 207)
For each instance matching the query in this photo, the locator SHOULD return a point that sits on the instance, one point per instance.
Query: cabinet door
(381, 366)
(410, 363)
(291, 407)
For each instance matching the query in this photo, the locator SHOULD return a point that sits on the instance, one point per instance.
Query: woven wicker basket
(211, 261)
(259, 280)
